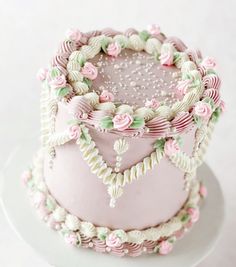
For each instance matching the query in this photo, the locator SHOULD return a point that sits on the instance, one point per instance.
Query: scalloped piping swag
(200, 104)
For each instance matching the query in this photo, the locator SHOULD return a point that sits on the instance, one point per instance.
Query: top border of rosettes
(70, 76)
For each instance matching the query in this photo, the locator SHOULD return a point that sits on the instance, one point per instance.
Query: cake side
(150, 199)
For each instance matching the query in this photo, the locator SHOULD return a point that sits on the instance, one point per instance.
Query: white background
(29, 34)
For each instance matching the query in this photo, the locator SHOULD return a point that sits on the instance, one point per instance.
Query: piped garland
(78, 233)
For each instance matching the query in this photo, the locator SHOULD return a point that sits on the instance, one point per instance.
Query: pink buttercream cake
(126, 120)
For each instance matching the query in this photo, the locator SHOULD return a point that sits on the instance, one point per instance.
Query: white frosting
(72, 222)
(59, 214)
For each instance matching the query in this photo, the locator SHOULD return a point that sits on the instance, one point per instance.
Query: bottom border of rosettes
(109, 243)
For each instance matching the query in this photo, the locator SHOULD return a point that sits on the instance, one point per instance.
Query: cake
(126, 118)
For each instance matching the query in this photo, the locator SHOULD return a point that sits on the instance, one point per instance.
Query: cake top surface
(133, 83)
(134, 78)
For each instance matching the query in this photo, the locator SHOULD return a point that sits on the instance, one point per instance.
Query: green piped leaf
(211, 71)
(63, 92)
(185, 218)
(85, 135)
(216, 114)
(54, 72)
(159, 144)
(104, 44)
(210, 102)
(137, 123)
(156, 56)
(106, 123)
(198, 121)
(176, 57)
(88, 82)
(50, 203)
(81, 59)
(144, 35)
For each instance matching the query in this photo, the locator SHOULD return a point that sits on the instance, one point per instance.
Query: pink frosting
(183, 86)
(153, 103)
(106, 96)
(74, 35)
(203, 191)
(113, 240)
(71, 239)
(43, 212)
(42, 74)
(203, 110)
(171, 147)
(165, 247)
(222, 105)
(53, 224)
(26, 176)
(39, 199)
(208, 62)
(194, 214)
(154, 29)
(89, 71)
(122, 121)
(114, 49)
(74, 131)
(167, 58)
(58, 82)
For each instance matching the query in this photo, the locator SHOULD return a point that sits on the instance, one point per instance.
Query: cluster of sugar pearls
(133, 78)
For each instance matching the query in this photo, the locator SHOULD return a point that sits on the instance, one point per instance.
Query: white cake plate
(188, 252)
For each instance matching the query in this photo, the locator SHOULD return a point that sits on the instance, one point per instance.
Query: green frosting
(88, 82)
(144, 35)
(216, 114)
(185, 218)
(62, 91)
(85, 135)
(104, 44)
(54, 72)
(210, 102)
(106, 123)
(137, 123)
(198, 121)
(159, 144)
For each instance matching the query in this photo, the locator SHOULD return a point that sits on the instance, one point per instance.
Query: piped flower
(74, 131)
(208, 63)
(114, 49)
(106, 96)
(171, 147)
(194, 214)
(113, 240)
(122, 122)
(203, 110)
(71, 239)
(89, 71)
(203, 191)
(154, 29)
(153, 103)
(58, 82)
(167, 55)
(165, 247)
(74, 35)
